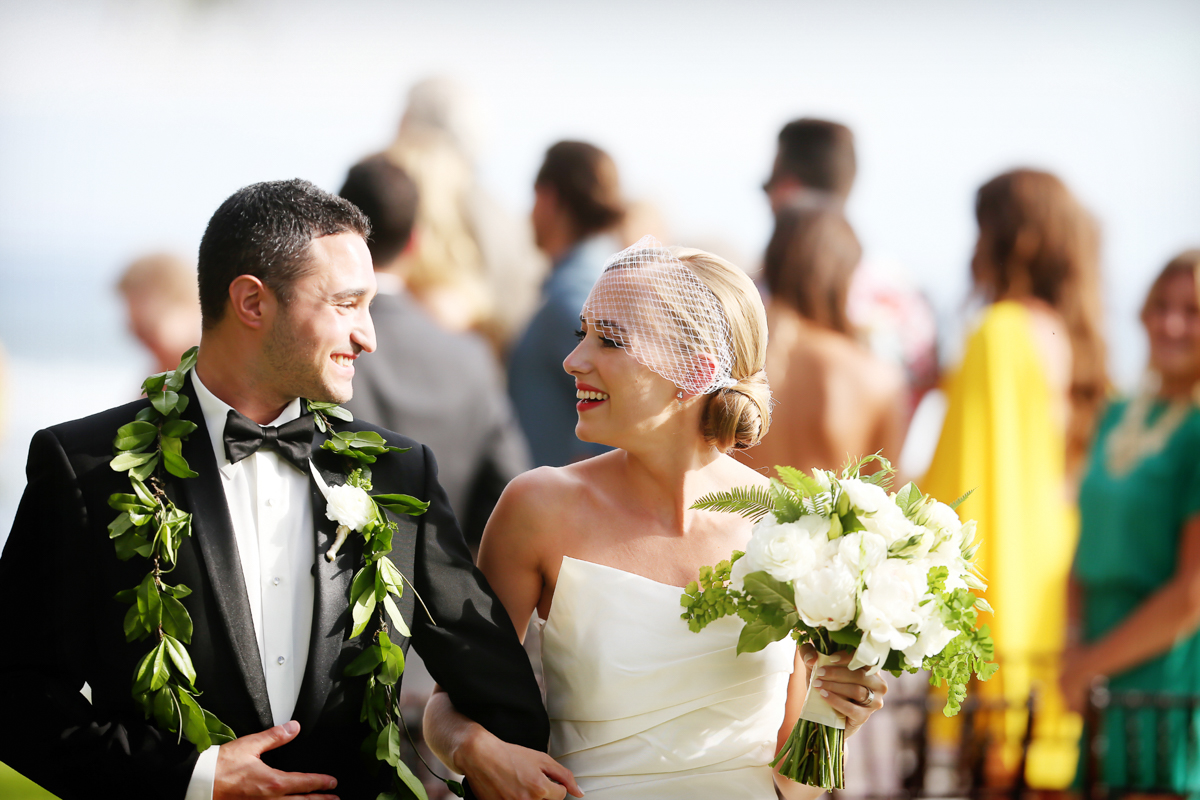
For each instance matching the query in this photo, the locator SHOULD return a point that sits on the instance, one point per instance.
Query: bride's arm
(846, 689)
(509, 558)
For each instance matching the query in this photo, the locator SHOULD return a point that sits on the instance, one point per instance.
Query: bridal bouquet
(838, 562)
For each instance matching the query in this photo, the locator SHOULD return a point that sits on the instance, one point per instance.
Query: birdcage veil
(654, 307)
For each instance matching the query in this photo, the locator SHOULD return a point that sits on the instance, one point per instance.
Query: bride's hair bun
(737, 416)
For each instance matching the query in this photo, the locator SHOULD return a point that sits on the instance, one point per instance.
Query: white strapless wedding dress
(641, 707)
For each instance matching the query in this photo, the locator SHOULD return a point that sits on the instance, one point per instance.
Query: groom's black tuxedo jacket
(61, 626)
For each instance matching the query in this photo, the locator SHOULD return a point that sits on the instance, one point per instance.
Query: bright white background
(124, 124)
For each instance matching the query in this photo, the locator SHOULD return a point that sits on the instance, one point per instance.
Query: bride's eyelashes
(604, 342)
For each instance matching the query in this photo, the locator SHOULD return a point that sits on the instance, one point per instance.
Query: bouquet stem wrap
(815, 752)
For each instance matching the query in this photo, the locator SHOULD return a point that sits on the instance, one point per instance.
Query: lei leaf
(150, 526)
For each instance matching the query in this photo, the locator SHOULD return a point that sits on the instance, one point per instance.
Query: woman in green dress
(1136, 587)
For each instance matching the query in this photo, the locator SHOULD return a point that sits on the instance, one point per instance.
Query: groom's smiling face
(317, 335)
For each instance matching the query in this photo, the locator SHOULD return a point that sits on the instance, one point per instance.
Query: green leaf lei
(151, 526)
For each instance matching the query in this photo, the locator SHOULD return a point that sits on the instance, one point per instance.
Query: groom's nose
(363, 334)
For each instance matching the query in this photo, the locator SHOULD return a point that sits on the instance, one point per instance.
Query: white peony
(827, 597)
(350, 506)
(889, 599)
(785, 551)
(866, 497)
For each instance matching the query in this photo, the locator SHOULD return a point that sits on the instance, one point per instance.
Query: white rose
(824, 479)
(866, 497)
(862, 550)
(350, 506)
(784, 551)
(827, 597)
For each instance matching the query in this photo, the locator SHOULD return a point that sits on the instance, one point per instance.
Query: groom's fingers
(560, 774)
(272, 737)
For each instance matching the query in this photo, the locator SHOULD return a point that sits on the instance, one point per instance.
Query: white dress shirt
(271, 506)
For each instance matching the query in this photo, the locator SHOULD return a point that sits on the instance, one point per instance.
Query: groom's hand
(241, 772)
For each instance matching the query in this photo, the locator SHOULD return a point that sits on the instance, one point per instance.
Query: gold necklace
(1132, 440)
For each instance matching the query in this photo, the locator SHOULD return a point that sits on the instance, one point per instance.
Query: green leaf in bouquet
(758, 634)
(769, 591)
(909, 498)
(851, 523)
(752, 502)
(848, 636)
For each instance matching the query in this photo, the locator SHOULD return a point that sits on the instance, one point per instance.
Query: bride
(669, 370)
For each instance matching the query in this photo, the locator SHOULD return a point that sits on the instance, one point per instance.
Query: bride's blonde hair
(737, 416)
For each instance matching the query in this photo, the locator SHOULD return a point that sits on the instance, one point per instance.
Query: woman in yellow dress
(1020, 412)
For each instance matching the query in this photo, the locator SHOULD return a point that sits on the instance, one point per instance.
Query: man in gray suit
(443, 389)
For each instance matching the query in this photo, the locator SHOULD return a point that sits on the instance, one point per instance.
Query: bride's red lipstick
(585, 403)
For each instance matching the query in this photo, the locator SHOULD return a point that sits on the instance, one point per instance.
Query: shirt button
(280, 660)
(276, 581)
(271, 502)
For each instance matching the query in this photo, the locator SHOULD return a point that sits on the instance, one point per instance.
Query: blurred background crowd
(975, 228)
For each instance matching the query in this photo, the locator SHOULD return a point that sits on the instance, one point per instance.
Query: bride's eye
(581, 335)
(606, 342)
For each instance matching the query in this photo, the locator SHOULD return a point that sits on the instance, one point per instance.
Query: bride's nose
(577, 361)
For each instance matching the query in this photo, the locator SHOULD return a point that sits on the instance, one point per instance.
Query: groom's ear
(251, 302)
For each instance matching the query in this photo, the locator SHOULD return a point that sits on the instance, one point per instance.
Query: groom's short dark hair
(264, 230)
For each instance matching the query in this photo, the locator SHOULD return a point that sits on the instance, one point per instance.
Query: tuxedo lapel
(212, 528)
(331, 594)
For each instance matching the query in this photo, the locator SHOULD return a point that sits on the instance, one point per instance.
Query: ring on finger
(870, 701)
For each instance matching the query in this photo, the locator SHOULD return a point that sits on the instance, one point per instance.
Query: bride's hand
(499, 770)
(851, 692)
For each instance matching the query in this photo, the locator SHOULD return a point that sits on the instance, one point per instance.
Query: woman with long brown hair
(1020, 412)
(1137, 568)
(834, 399)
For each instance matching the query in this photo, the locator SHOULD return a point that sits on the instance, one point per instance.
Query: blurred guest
(508, 264)
(577, 205)
(834, 397)
(1137, 567)
(1020, 413)
(815, 167)
(441, 388)
(445, 271)
(163, 302)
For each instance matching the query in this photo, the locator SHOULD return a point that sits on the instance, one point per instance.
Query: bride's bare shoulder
(546, 495)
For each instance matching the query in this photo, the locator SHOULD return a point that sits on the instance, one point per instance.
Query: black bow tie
(293, 440)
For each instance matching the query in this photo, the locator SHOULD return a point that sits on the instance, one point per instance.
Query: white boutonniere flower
(349, 506)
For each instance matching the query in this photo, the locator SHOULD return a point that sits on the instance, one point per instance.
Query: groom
(285, 287)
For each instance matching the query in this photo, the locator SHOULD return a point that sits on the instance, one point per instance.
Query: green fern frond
(788, 507)
(801, 484)
(962, 499)
(752, 502)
